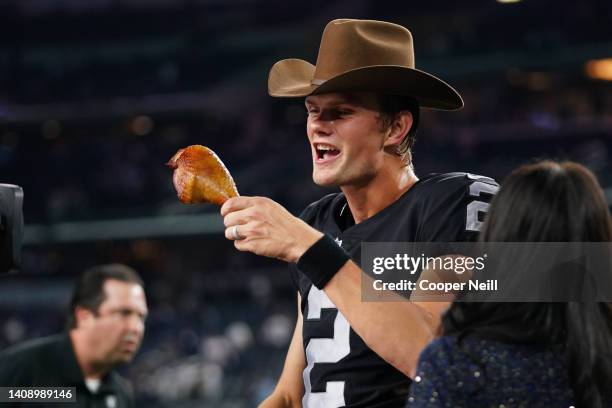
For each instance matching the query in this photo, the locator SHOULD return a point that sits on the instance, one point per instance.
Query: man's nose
(135, 324)
(321, 126)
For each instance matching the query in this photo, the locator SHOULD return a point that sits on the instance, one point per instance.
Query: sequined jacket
(486, 373)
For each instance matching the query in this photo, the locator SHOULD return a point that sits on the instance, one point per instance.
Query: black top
(488, 373)
(341, 370)
(51, 362)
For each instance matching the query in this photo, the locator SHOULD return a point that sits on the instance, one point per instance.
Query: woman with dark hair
(556, 354)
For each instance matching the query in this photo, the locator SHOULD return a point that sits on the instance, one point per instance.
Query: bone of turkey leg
(201, 177)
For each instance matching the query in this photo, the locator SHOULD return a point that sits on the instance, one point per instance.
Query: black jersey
(340, 369)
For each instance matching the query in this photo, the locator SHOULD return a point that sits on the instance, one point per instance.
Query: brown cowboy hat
(362, 55)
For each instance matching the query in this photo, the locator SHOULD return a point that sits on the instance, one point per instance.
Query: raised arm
(396, 331)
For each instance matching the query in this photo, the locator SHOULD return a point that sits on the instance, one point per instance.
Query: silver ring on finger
(235, 235)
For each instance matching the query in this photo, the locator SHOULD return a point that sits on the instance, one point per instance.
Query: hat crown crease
(347, 45)
(363, 55)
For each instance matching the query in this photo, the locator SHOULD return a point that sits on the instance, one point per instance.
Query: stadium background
(96, 95)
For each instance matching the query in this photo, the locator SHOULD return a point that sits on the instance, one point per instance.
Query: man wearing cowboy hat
(363, 98)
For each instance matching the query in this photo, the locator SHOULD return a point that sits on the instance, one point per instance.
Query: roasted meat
(201, 177)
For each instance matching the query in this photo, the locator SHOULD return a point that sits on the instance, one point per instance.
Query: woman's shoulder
(442, 377)
(451, 359)
(493, 371)
(472, 350)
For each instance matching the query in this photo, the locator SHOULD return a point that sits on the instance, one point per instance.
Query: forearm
(396, 331)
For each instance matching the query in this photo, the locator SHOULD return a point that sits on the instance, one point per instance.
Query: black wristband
(322, 261)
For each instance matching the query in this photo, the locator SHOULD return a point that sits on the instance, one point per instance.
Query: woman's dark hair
(548, 202)
(89, 290)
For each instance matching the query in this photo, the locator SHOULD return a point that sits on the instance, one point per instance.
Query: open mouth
(325, 152)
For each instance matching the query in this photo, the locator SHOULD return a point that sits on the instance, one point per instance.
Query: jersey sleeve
(294, 274)
(456, 207)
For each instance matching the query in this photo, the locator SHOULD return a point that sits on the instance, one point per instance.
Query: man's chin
(126, 357)
(325, 183)
(324, 180)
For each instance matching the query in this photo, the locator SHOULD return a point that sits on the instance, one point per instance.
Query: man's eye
(341, 112)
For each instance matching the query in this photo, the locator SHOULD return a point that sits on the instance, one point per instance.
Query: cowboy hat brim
(292, 78)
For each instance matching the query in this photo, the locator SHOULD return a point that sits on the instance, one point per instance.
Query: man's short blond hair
(390, 106)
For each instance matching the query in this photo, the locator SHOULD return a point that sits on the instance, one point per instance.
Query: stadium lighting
(599, 69)
(142, 125)
(508, 1)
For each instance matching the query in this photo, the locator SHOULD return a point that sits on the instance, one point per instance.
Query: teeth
(325, 147)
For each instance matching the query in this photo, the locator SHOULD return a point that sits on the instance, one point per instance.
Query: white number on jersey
(476, 207)
(329, 350)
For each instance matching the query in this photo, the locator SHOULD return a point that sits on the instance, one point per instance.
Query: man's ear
(399, 128)
(83, 317)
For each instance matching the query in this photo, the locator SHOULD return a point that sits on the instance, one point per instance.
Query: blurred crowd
(222, 340)
(218, 327)
(221, 321)
(115, 167)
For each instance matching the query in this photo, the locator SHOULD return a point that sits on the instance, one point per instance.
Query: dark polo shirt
(51, 362)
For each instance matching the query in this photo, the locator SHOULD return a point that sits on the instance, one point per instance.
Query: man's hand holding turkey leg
(264, 227)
